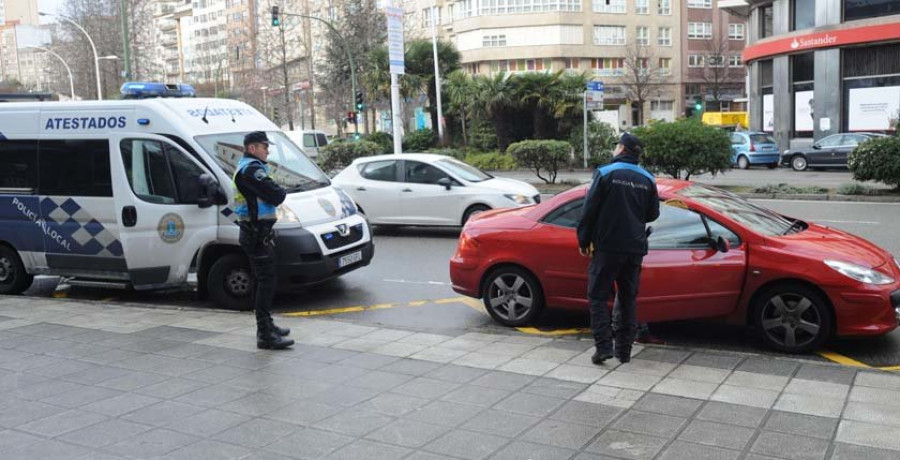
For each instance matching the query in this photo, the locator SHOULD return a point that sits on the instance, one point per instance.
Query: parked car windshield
(467, 172)
(288, 166)
(756, 218)
(762, 139)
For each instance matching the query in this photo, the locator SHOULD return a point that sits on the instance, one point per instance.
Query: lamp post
(93, 48)
(435, 12)
(68, 70)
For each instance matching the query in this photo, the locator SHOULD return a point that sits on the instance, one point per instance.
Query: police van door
(157, 190)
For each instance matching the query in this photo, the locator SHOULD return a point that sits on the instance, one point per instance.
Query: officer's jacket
(255, 193)
(620, 202)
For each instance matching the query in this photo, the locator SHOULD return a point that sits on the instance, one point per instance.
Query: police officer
(612, 231)
(256, 196)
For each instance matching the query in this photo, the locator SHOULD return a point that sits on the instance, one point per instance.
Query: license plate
(350, 259)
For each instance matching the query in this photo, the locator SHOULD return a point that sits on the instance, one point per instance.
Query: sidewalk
(85, 380)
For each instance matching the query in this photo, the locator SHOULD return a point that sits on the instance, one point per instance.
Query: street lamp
(93, 48)
(68, 70)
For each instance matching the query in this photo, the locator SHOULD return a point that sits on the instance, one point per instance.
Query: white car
(427, 189)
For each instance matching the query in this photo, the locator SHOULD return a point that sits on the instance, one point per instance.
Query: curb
(809, 197)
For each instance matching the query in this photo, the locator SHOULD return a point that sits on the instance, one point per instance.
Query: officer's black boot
(601, 355)
(268, 339)
(279, 331)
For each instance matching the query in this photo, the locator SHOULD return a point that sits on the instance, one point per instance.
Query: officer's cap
(256, 137)
(632, 144)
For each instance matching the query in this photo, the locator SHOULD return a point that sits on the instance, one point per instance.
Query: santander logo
(795, 44)
(824, 40)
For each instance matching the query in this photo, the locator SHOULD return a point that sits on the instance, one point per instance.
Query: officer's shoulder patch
(259, 174)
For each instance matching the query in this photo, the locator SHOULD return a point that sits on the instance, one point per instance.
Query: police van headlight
(285, 215)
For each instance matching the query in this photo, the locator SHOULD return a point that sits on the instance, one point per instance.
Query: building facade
(820, 67)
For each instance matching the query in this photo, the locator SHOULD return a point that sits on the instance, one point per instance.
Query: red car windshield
(739, 210)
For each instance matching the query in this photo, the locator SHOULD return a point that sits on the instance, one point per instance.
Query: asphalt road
(411, 268)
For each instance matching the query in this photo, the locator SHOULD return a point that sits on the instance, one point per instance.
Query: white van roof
(166, 115)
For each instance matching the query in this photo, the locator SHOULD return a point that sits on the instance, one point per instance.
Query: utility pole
(126, 48)
(437, 72)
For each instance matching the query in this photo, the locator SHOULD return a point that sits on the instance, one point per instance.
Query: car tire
(792, 318)
(472, 210)
(230, 283)
(512, 296)
(772, 165)
(799, 163)
(14, 280)
(743, 162)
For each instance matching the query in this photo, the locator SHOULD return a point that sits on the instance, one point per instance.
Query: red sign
(825, 39)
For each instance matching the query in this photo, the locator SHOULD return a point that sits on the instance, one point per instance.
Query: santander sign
(829, 39)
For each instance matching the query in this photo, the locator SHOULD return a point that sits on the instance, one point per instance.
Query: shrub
(602, 140)
(786, 189)
(541, 156)
(338, 155)
(483, 138)
(450, 152)
(493, 161)
(418, 141)
(384, 140)
(856, 189)
(684, 148)
(877, 160)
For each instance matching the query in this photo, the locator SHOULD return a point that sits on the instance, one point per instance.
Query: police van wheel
(229, 283)
(512, 296)
(13, 278)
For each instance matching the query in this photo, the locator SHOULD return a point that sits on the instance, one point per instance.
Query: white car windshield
(288, 166)
(464, 171)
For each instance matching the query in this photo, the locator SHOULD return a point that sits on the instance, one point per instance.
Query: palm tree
(460, 91)
(539, 92)
(376, 79)
(496, 95)
(419, 58)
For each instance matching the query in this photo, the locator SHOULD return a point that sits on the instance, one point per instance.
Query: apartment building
(605, 38)
(23, 11)
(713, 73)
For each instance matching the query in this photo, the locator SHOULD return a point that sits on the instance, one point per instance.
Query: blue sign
(594, 85)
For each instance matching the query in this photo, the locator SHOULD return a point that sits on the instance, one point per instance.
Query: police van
(137, 193)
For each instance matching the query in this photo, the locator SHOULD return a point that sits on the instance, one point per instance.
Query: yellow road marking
(841, 359)
(553, 333)
(380, 306)
(60, 294)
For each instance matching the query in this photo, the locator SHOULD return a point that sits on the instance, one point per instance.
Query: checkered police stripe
(69, 219)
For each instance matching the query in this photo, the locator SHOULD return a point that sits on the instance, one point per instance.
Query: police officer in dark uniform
(612, 231)
(256, 196)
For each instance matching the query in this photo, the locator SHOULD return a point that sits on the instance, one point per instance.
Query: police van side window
(159, 173)
(74, 168)
(18, 166)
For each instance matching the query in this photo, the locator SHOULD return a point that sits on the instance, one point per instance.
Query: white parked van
(137, 193)
(312, 142)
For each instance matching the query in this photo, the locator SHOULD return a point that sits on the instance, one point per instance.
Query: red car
(712, 255)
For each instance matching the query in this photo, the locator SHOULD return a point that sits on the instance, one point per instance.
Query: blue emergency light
(147, 90)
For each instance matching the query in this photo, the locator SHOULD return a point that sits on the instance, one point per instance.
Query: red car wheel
(792, 318)
(512, 296)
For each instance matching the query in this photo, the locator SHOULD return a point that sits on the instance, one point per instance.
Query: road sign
(595, 85)
(594, 95)
(395, 39)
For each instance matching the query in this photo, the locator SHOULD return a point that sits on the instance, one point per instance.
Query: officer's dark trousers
(624, 270)
(262, 263)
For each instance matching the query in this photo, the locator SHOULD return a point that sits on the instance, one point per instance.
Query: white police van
(137, 193)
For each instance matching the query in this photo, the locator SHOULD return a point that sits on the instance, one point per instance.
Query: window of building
(75, 168)
(18, 166)
(767, 21)
(665, 7)
(609, 35)
(803, 14)
(609, 6)
(608, 67)
(642, 6)
(699, 30)
(665, 36)
(665, 66)
(735, 31)
(500, 66)
(802, 76)
(642, 37)
(695, 60)
(735, 61)
(489, 41)
(861, 9)
(571, 63)
(699, 4)
(662, 106)
(716, 60)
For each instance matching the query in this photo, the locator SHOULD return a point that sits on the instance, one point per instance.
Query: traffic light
(360, 105)
(275, 114)
(698, 105)
(276, 21)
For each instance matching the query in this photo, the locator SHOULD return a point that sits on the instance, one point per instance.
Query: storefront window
(802, 76)
(768, 102)
(860, 9)
(766, 22)
(803, 14)
(871, 88)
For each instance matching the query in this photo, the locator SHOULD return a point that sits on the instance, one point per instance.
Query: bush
(483, 139)
(541, 155)
(493, 161)
(602, 140)
(384, 140)
(856, 189)
(877, 160)
(786, 189)
(450, 152)
(684, 148)
(338, 155)
(418, 141)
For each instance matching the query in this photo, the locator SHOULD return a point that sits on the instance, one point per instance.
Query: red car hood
(822, 242)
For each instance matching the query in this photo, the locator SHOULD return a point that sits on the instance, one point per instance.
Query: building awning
(736, 7)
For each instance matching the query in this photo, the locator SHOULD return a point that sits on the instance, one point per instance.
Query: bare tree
(643, 75)
(717, 76)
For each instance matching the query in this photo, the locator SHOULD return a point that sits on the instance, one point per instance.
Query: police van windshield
(288, 166)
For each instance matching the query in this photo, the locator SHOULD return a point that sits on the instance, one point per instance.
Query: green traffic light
(698, 106)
